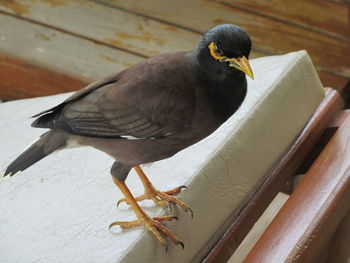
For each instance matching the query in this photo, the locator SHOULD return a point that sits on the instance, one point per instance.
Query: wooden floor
(53, 46)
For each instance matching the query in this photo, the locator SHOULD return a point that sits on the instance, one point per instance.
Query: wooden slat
(306, 222)
(340, 118)
(269, 36)
(326, 17)
(259, 228)
(107, 25)
(59, 50)
(23, 80)
(342, 2)
(37, 48)
(332, 80)
(275, 181)
(340, 242)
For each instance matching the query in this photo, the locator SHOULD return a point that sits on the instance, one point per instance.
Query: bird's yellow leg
(158, 197)
(152, 224)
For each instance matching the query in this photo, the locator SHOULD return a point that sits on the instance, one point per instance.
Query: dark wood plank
(326, 17)
(308, 219)
(276, 179)
(342, 2)
(332, 80)
(23, 80)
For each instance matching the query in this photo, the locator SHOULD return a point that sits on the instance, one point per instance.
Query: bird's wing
(98, 115)
(81, 93)
(148, 100)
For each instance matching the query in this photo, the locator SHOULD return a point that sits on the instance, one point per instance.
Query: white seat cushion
(59, 209)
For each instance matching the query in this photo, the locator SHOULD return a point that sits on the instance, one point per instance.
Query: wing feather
(79, 118)
(138, 102)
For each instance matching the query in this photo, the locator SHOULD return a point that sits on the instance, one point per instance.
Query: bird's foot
(154, 225)
(161, 198)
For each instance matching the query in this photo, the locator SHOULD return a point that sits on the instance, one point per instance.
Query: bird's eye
(219, 52)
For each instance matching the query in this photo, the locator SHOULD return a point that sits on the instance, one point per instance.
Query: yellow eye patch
(240, 63)
(213, 52)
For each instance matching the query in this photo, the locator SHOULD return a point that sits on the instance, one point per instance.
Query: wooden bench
(308, 220)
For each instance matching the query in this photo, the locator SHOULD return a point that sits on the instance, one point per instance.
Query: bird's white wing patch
(72, 143)
(133, 138)
(142, 138)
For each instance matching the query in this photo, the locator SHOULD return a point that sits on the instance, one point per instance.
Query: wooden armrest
(276, 178)
(311, 215)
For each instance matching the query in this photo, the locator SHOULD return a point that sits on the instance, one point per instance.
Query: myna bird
(149, 112)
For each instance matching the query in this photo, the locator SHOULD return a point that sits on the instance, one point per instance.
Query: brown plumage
(149, 112)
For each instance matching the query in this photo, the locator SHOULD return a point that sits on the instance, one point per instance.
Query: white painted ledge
(59, 209)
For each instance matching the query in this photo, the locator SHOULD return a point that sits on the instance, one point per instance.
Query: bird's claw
(182, 245)
(175, 190)
(155, 226)
(171, 199)
(189, 210)
(121, 201)
(162, 198)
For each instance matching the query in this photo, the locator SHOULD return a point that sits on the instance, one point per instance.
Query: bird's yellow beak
(241, 63)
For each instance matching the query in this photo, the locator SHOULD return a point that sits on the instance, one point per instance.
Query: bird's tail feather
(48, 143)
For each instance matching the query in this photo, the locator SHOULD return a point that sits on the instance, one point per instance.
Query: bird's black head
(223, 52)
